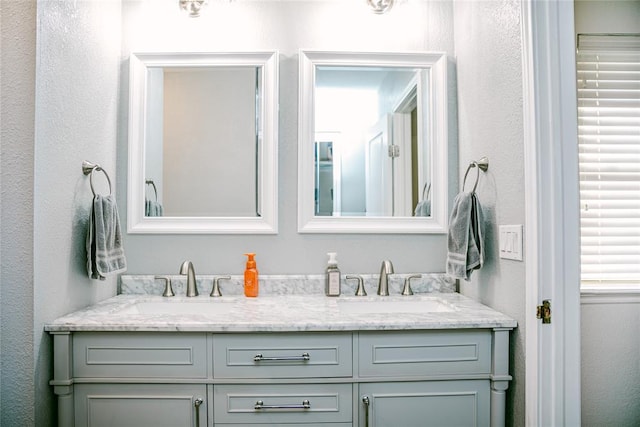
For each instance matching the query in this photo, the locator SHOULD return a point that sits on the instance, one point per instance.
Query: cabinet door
(433, 403)
(140, 405)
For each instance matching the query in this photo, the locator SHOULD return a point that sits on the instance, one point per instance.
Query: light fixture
(380, 6)
(192, 7)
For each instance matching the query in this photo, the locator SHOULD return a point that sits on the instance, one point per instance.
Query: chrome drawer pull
(367, 402)
(260, 405)
(197, 404)
(260, 358)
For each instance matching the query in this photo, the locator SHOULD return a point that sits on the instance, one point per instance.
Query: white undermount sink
(347, 306)
(408, 305)
(179, 308)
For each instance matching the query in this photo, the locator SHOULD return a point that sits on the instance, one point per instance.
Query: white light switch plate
(511, 242)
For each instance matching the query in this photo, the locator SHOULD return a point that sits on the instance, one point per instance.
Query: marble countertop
(281, 313)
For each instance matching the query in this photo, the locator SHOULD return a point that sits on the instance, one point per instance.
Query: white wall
(18, 62)
(610, 338)
(489, 63)
(77, 75)
(286, 26)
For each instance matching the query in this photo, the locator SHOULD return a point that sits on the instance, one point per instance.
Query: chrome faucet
(383, 282)
(187, 268)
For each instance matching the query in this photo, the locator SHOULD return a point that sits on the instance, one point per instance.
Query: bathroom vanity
(139, 360)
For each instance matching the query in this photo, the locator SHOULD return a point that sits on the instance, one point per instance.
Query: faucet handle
(215, 292)
(168, 290)
(360, 292)
(407, 284)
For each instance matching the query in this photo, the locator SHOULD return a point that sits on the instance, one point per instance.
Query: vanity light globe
(192, 7)
(380, 6)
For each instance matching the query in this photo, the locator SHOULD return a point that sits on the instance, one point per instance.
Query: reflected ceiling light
(380, 6)
(192, 7)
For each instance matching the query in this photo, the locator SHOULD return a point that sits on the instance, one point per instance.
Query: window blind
(608, 73)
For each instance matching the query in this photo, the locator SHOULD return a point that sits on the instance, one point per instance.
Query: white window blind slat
(608, 82)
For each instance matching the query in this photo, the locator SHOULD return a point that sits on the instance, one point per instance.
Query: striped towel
(105, 254)
(465, 247)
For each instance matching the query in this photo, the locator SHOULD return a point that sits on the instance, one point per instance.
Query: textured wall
(610, 338)
(610, 346)
(76, 119)
(18, 65)
(286, 26)
(489, 63)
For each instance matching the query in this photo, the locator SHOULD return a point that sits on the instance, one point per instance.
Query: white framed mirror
(203, 131)
(372, 143)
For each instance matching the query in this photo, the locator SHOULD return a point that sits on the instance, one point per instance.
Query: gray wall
(610, 338)
(76, 115)
(17, 105)
(286, 26)
(489, 62)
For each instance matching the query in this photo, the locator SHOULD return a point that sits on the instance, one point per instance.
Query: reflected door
(324, 178)
(379, 170)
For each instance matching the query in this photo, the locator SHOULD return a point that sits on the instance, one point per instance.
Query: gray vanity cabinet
(135, 379)
(424, 378)
(452, 377)
(279, 379)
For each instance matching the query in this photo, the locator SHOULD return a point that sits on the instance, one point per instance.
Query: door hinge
(544, 311)
(394, 151)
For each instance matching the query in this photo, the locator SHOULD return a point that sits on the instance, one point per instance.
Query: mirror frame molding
(437, 128)
(267, 223)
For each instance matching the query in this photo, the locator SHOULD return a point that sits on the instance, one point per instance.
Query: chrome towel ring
(88, 168)
(152, 184)
(426, 191)
(482, 164)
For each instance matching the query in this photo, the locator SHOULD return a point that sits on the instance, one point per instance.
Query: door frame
(552, 213)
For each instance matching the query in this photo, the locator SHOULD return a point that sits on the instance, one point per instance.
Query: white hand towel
(465, 245)
(105, 254)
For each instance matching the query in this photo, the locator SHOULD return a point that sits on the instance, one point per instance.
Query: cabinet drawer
(317, 355)
(282, 403)
(424, 353)
(139, 355)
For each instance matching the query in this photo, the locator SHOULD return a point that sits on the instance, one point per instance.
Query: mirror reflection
(370, 154)
(201, 151)
(372, 149)
(203, 142)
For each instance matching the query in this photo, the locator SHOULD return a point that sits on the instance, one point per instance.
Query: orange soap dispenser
(251, 277)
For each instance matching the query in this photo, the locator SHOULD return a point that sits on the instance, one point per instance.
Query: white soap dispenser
(332, 285)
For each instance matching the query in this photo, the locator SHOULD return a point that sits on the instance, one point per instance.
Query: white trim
(552, 218)
(267, 223)
(630, 297)
(598, 294)
(437, 108)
